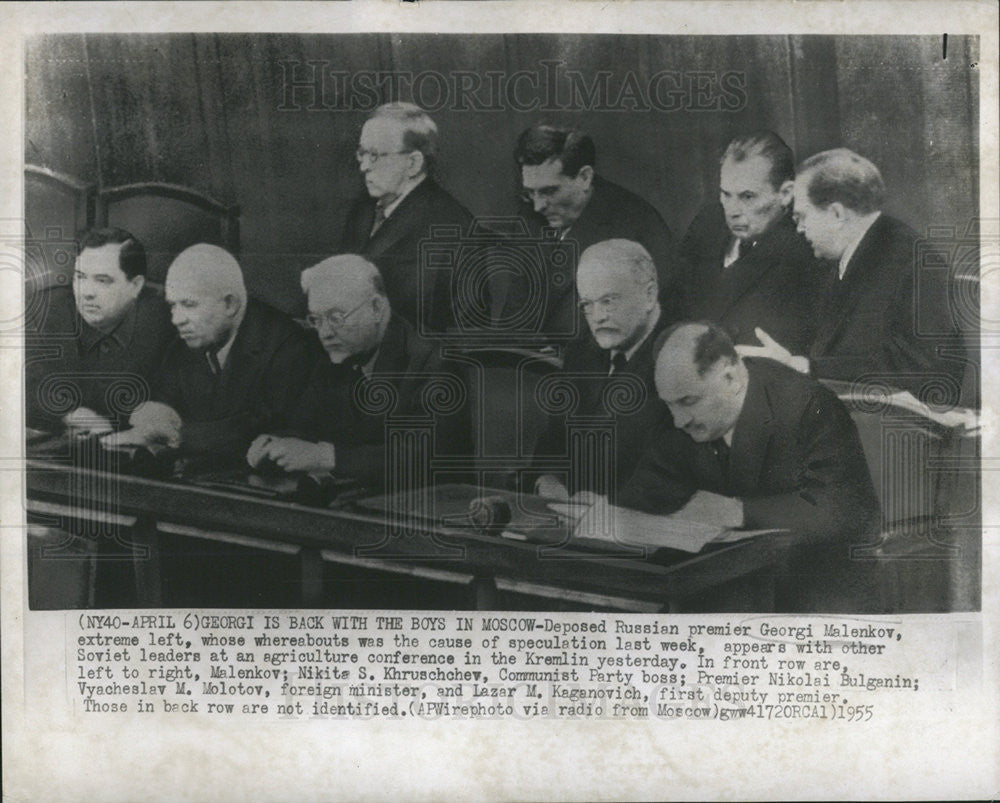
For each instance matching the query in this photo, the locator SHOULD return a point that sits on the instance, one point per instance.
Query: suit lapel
(751, 436)
(245, 348)
(845, 293)
(399, 223)
(748, 271)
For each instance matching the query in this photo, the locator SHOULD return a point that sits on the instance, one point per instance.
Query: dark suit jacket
(263, 376)
(336, 408)
(774, 285)
(634, 409)
(109, 374)
(395, 250)
(612, 213)
(868, 323)
(796, 462)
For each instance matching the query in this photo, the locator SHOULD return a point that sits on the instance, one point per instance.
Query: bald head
(701, 378)
(617, 286)
(348, 307)
(206, 295)
(212, 269)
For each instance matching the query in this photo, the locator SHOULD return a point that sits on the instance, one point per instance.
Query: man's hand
(293, 454)
(155, 423)
(710, 508)
(773, 350)
(551, 488)
(258, 449)
(83, 422)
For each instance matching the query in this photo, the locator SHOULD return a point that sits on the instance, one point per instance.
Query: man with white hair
(396, 154)
(235, 368)
(617, 286)
(331, 430)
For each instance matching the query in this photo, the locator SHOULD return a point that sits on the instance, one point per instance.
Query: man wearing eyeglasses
(562, 193)
(396, 155)
(335, 427)
(611, 372)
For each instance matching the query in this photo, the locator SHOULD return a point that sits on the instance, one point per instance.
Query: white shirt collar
(845, 258)
(391, 206)
(223, 352)
(732, 254)
(635, 348)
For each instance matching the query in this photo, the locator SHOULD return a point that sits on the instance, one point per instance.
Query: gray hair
(626, 253)
(420, 132)
(335, 267)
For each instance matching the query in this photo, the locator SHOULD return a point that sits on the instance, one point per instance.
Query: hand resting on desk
(152, 424)
(292, 454)
(84, 422)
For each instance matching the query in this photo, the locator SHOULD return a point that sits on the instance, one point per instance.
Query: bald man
(236, 366)
(617, 286)
(755, 444)
(760, 446)
(364, 341)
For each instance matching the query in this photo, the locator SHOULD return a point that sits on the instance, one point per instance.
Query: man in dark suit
(235, 370)
(610, 372)
(745, 265)
(868, 326)
(754, 444)
(376, 371)
(571, 208)
(396, 155)
(758, 445)
(91, 352)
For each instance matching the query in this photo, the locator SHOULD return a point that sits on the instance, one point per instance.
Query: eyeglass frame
(609, 303)
(374, 156)
(315, 319)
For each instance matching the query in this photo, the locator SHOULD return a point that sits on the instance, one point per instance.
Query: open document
(608, 523)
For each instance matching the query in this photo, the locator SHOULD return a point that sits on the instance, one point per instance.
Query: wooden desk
(141, 509)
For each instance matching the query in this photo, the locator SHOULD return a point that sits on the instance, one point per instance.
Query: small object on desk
(490, 514)
(321, 490)
(155, 462)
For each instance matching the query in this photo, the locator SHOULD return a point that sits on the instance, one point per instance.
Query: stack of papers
(608, 523)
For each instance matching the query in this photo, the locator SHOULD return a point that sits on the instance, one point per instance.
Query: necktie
(379, 219)
(618, 363)
(721, 449)
(213, 362)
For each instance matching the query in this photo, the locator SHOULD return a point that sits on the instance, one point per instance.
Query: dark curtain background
(219, 113)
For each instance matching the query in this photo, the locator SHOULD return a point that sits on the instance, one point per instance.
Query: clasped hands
(151, 424)
(292, 454)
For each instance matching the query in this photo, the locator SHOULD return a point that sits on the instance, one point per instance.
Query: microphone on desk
(490, 514)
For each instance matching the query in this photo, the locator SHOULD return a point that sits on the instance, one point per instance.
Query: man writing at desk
(756, 445)
(336, 426)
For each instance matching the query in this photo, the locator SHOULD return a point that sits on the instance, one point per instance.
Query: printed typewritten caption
(281, 665)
